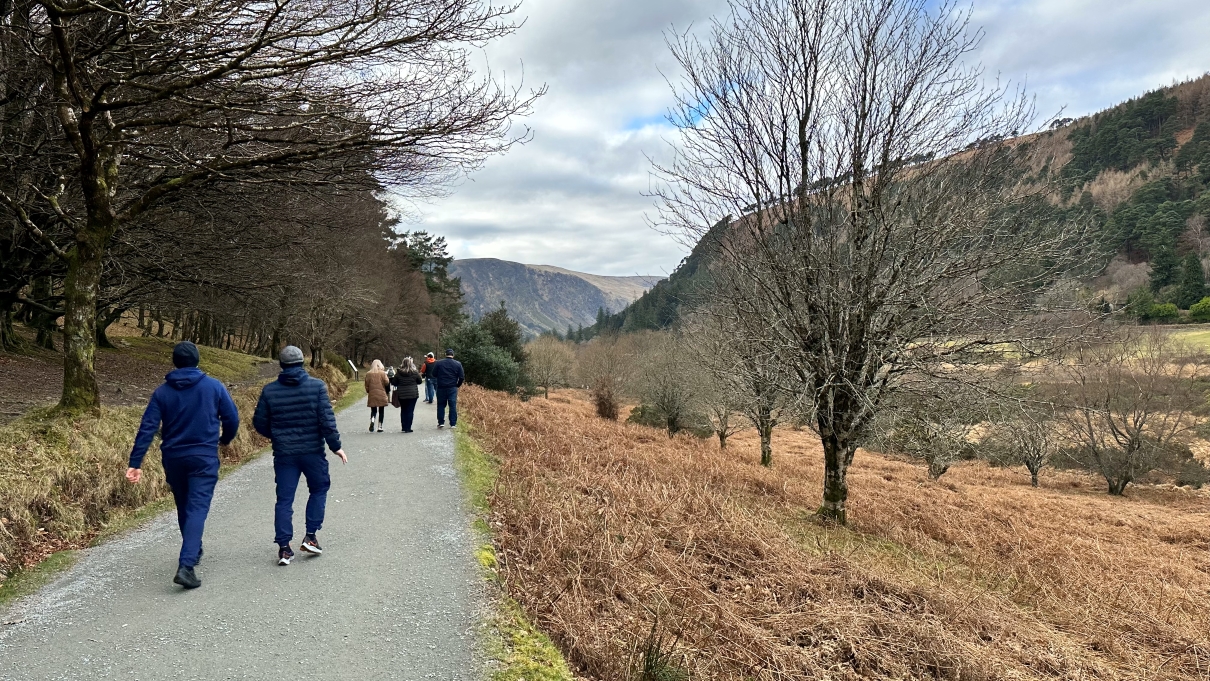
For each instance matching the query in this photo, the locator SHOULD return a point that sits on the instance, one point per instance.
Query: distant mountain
(543, 297)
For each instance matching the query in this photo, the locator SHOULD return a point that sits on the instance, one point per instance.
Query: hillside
(1140, 170)
(543, 297)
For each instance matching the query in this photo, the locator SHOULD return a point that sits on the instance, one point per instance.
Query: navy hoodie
(294, 412)
(187, 410)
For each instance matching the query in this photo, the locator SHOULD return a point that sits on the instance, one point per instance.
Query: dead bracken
(610, 537)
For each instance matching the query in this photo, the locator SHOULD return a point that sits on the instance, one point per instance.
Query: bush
(485, 363)
(1164, 313)
(1200, 311)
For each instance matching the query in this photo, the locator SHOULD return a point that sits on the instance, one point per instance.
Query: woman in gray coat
(405, 381)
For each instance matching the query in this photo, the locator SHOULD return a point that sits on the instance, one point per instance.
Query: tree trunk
(1033, 478)
(1117, 487)
(837, 455)
(44, 323)
(722, 439)
(766, 444)
(9, 340)
(80, 389)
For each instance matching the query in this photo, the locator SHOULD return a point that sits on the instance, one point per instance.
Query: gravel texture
(396, 594)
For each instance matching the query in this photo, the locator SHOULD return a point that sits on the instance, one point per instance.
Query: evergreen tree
(1192, 284)
(571, 334)
(1163, 268)
(505, 332)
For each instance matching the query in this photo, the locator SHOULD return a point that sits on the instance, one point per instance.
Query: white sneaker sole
(315, 549)
(284, 561)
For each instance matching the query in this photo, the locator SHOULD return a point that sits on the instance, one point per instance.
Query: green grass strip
(520, 651)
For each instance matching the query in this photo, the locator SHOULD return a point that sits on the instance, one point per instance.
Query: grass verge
(520, 651)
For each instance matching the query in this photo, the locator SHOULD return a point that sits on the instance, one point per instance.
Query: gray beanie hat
(290, 355)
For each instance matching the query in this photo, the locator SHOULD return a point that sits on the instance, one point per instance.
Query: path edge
(517, 650)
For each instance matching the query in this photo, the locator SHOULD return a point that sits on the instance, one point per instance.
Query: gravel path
(396, 594)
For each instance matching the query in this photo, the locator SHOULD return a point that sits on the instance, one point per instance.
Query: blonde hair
(408, 364)
(376, 365)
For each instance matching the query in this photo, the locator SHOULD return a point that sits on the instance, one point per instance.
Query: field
(636, 552)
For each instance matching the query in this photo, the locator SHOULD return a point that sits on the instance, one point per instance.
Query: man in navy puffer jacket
(187, 411)
(294, 412)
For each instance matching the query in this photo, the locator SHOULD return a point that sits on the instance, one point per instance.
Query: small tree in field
(667, 380)
(1128, 402)
(549, 362)
(937, 427)
(1025, 433)
(605, 366)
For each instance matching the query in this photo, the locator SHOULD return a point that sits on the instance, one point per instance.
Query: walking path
(396, 594)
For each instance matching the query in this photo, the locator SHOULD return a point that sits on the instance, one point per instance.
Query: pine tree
(1163, 268)
(571, 334)
(1192, 284)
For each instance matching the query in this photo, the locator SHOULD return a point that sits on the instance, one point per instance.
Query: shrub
(1200, 311)
(1164, 313)
(485, 363)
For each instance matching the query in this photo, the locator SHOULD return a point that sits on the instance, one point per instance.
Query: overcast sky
(573, 196)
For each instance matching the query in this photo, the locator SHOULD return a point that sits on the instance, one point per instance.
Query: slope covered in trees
(1139, 170)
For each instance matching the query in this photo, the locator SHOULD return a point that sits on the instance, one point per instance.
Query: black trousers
(407, 409)
(378, 413)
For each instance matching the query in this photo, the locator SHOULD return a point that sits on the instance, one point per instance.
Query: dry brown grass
(606, 527)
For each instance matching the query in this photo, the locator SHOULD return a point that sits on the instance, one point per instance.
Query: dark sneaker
(371, 426)
(284, 555)
(186, 578)
(380, 427)
(311, 545)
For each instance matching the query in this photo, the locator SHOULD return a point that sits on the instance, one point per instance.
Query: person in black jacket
(405, 382)
(295, 414)
(447, 376)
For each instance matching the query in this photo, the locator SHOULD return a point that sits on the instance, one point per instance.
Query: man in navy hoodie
(294, 412)
(448, 376)
(187, 411)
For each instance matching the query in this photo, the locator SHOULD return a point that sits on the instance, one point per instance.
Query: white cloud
(573, 196)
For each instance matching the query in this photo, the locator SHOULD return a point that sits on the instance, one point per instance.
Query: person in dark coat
(295, 414)
(405, 382)
(447, 376)
(429, 391)
(188, 411)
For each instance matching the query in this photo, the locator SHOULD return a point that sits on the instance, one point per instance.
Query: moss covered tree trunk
(837, 457)
(80, 289)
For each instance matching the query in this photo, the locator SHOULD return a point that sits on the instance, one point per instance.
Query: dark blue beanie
(185, 354)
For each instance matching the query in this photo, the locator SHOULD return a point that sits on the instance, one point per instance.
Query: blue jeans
(447, 396)
(192, 479)
(429, 390)
(286, 470)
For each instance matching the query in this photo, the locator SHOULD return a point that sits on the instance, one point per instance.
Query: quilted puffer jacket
(294, 412)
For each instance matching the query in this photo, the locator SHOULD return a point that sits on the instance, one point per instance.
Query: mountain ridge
(544, 297)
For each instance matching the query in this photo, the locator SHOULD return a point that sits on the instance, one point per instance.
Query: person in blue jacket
(188, 411)
(447, 375)
(295, 414)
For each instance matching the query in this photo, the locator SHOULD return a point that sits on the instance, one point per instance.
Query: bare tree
(606, 366)
(1128, 403)
(877, 227)
(667, 380)
(1024, 431)
(718, 361)
(937, 426)
(149, 100)
(550, 361)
